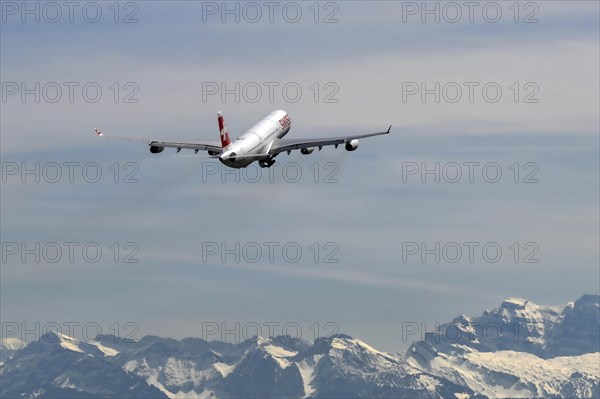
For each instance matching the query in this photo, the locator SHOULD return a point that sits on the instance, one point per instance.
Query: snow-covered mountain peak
(514, 302)
(8, 346)
(463, 318)
(11, 344)
(518, 308)
(519, 349)
(59, 366)
(522, 325)
(261, 341)
(577, 330)
(68, 343)
(93, 348)
(356, 345)
(279, 354)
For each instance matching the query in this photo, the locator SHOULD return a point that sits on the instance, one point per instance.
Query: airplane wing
(282, 145)
(213, 146)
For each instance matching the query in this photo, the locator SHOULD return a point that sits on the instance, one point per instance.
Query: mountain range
(519, 349)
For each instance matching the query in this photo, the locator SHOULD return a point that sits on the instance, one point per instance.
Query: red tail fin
(223, 129)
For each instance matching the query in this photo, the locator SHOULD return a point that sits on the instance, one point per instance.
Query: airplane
(262, 142)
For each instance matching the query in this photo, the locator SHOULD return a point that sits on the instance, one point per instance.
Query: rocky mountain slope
(517, 350)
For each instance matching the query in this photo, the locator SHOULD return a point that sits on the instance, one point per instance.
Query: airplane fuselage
(255, 143)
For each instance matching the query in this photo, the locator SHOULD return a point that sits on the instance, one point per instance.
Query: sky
(486, 188)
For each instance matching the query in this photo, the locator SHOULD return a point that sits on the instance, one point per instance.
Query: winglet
(389, 128)
(98, 132)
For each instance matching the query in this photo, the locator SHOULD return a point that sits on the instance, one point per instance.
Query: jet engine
(156, 149)
(351, 145)
(307, 151)
(213, 153)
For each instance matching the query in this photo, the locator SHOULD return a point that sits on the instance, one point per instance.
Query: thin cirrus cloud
(171, 80)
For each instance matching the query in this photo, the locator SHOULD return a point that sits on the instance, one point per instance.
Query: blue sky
(175, 206)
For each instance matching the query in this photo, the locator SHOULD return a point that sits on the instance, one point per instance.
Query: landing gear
(267, 163)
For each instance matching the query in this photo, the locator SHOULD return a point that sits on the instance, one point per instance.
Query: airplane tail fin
(225, 141)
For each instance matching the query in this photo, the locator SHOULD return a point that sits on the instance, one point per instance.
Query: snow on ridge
(337, 343)
(130, 366)
(343, 344)
(260, 341)
(223, 368)
(515, 301)
(279, 354)
(69, 343)
(64, 336)
(521, 308)
(525, 374)
(12, 344)
(279, 351)
(73, 344)
(465, 318)
(108, 351)
(370, 349)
